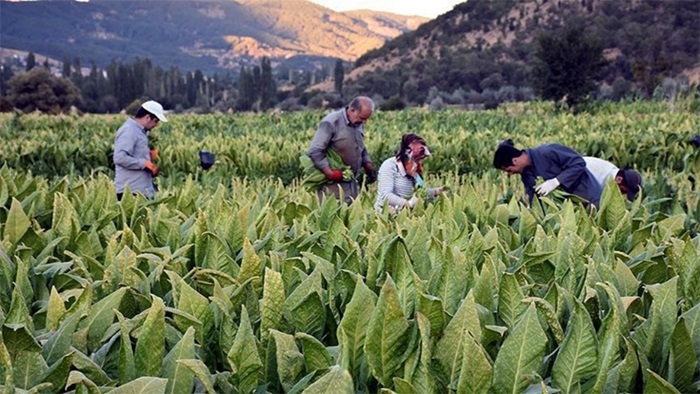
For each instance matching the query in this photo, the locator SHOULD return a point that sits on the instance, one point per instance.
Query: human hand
(152, 168)
(335, 175)
(547, 187)
(371, 174)
(154, 154)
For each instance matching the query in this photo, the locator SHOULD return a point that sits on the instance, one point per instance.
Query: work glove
(547, 187)
(335, 176)
(154, 154)
(152, 168)
(371, 174)
(412, 202)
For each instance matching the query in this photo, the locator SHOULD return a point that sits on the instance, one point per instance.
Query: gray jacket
(130, 154)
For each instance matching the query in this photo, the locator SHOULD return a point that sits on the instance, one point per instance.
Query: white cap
(155, 108)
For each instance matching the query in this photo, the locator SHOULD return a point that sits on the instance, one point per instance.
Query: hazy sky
(427, 8)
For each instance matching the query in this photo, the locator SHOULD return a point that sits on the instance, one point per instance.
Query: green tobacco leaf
(486, 287)
(28, 366)
(353, 327)
(309, 315)
(386, 341)
(150, 346)
(449, 350)
(577, 357)
(57, 374)
(244, 358)
(143, 385)
(190, 301)
(421, 378)
(126, 369)
(477, 371)
(682, 359)
(520, 355)
(451, 286)
(316, 356)
(612, 208)
(655, 384)
(65, 220)
(692, 323)
(101, 315)
(290, 362)
(652, 334)
(336, 381)
(17, 223)
(510, 296)
(87, 366)
(60, 341)
(54, 310)
(201, 371)
(180, 378)
(251, 266)
(609, 336)
(83, 383)
(431, 307)
(271, 303)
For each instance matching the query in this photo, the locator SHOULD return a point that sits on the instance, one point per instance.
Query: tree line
(30, 86)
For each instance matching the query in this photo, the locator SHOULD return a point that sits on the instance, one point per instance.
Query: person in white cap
(132, 156)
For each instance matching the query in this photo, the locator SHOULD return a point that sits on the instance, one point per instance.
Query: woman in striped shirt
(400, 175)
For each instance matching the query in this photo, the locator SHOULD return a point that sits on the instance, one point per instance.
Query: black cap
(633, 181)
(206, 159)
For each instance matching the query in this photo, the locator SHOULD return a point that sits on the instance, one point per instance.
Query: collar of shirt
(137, 124)
(345, 116)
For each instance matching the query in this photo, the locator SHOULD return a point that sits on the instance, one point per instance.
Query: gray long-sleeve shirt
(130, 154)
(335, 132)
(561, 162)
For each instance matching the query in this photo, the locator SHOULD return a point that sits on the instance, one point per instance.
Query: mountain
(487, 48)
(209, 35)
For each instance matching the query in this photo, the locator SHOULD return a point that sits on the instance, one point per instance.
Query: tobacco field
(238, 280)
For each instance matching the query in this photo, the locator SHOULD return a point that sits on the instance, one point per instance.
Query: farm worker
(401, 174)
(628, 180)
(132, 157)
(343, 132)
(558, 165)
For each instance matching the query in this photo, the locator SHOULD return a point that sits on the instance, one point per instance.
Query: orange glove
(151, 167)
(154, 154)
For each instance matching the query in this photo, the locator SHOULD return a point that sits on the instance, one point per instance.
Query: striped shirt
(394, 185)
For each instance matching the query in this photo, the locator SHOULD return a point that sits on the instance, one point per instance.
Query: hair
(504, 155)
(357, 102)
(141, 112)
(406, 141)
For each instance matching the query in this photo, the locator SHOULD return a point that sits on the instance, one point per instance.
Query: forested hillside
(486, 48)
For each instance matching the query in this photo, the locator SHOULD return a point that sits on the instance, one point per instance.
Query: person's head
(413, 149)
(510, 159)
(150, 114)
(360, 110)
(630, 182)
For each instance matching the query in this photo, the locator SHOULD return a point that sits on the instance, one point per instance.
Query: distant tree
(66, 71)
(38, 90)
(246, 90)
(31, 61)
(268, 87)
(338, 76)
(567, 64)
(46, 64)
(5, 77)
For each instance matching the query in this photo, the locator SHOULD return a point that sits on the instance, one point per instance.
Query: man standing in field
(557, 164)
(132, 156)
(343, 132)
(628, 180)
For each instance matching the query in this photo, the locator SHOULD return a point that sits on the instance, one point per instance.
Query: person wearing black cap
(628, 180)
(558, 165)
(132, 156)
